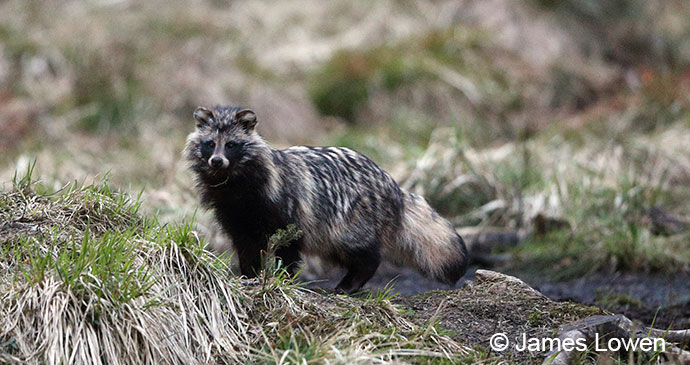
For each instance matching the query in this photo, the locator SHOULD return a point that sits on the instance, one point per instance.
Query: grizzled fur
(352, 213)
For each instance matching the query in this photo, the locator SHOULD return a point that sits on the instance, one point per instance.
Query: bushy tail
(429, 243)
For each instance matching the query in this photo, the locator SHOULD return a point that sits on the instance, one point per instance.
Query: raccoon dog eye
(230, 144)
(209, 143)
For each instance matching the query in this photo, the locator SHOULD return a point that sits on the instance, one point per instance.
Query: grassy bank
(85, 278)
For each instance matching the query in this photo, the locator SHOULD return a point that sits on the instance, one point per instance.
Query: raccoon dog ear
(203, 117)
(247, 119)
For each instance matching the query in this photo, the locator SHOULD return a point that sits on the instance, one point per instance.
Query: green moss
(572, 311)
(535, 318)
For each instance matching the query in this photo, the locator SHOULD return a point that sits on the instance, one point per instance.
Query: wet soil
(661, 301)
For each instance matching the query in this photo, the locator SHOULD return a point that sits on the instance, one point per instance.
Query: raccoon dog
(351, 212)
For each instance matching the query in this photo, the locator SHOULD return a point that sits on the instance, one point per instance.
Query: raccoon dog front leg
(249, 255)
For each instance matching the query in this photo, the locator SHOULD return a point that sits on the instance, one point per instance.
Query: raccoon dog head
(224, 139)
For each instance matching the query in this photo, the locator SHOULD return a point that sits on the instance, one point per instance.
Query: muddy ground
(661, 300)
(479, 308)
(651, 299)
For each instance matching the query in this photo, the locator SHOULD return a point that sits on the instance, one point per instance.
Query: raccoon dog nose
(216, 162)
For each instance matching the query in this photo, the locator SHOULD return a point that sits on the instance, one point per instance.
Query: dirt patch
(493, 304)
(475, 309)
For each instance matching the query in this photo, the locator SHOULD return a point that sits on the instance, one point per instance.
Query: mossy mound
(497, 303)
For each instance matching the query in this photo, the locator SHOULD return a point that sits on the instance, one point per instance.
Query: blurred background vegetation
(566, 122)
